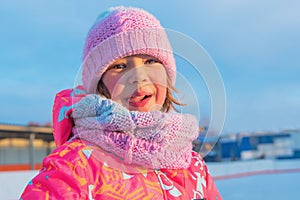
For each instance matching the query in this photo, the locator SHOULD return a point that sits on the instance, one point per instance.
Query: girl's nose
(138, 75)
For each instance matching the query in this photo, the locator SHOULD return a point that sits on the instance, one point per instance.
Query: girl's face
(138, 82)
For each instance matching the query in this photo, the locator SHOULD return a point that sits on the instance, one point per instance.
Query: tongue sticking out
(138, 102)
(139, 98)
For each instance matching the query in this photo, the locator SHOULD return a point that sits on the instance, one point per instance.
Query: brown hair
(168, 104)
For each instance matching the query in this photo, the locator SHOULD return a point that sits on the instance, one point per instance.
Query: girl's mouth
(139, 100)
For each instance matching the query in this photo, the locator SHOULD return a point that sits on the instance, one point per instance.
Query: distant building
(24, 147)
(230, 150)
(273, 145)
(247, 146)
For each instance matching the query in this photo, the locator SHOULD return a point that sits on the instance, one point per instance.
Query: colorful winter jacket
(78, 169)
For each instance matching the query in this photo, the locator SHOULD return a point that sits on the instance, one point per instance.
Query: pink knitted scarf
(150, 139)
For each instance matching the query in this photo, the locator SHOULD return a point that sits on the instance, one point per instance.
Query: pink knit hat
(121, 32)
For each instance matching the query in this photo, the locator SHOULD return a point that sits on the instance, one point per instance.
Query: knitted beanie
(120, 32)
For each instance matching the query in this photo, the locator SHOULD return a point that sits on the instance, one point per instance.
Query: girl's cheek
(111, 81)
(161, 95)
(158, 77)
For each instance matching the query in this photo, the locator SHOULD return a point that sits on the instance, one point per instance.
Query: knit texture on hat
(121, 32)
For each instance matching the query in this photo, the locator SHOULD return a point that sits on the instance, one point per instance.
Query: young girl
(118, 135)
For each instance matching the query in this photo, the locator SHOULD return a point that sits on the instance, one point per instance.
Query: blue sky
(255, 44)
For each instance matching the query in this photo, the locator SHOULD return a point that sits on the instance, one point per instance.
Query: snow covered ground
(259, 180)
(13, 183)
(261, 187)
(247, 180)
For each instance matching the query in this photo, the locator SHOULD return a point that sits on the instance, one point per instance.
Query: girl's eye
(119, 66)
(151, 61)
